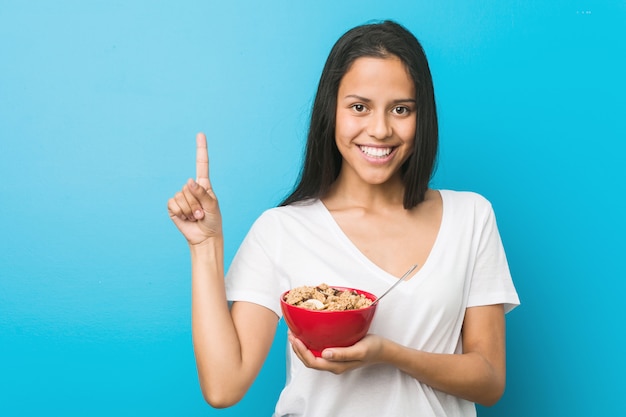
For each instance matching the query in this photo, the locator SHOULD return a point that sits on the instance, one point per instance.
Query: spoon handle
(402, 278)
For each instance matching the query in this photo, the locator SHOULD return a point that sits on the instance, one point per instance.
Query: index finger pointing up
(202, 161)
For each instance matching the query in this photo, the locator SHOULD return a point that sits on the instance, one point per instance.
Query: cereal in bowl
(324, 297)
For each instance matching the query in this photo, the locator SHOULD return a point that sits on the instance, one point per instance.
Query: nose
(378, 126)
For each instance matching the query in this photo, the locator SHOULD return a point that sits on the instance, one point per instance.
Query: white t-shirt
(301, 244)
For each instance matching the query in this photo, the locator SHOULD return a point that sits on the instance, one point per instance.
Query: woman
(361, 214)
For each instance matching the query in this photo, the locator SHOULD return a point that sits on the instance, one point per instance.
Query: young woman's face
(376, 119)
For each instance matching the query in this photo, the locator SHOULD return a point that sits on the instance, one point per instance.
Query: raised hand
(194, 209)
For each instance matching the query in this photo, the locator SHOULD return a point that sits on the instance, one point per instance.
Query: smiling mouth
(375, 152)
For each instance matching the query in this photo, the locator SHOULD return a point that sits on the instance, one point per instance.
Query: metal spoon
(406, 274)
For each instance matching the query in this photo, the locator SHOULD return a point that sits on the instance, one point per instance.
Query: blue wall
(99, 105)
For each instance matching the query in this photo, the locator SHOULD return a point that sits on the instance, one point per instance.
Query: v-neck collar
(423, 269)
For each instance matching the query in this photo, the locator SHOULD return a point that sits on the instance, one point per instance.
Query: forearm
(469, 375)
(216, 344)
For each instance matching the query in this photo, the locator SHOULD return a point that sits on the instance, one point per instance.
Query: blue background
(99, 105)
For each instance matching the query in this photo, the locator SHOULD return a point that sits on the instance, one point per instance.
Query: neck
(353, 192)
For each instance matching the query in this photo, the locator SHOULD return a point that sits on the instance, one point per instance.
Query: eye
(401, 110)
(359, 108)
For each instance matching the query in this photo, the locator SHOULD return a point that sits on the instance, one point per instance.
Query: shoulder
(465, 198)
(466, 204)
(279, 226)
(298, 209)
(284, 215)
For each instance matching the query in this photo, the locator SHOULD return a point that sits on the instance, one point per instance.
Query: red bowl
(321, 329)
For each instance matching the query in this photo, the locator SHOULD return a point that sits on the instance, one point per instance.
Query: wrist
(389, 352)
(207, 259)
(211, 245)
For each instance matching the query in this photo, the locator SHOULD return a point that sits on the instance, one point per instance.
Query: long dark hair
(322, 161)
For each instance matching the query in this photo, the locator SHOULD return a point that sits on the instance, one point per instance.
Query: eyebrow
(367, 100)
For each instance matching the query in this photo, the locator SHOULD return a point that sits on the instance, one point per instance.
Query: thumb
(332, 354)
(206, 197)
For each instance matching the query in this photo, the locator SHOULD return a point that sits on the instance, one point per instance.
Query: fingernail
(327, 354)
(198, 214)
(193, 184)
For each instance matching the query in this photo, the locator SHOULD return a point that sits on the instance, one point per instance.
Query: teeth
(375, 152)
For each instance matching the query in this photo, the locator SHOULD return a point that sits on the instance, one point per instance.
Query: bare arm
(478, 374)
(230, 344)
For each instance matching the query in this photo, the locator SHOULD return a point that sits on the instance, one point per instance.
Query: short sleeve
(491, 281)
(253, 275)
